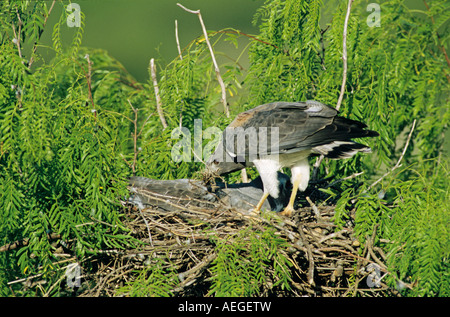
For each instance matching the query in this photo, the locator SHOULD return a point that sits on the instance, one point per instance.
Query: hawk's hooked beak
(219, 165)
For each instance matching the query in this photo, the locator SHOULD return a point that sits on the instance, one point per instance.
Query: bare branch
(18, 34)
(315, 209)
(158, 99)
(442, 47)
(344, 78)
(397, 165)
(176, 38)
(89, 82)
(316, 166)
(39, 35)
(188, 10)
(135, 136)
(344, 55)
(216, 67)
(344, 179)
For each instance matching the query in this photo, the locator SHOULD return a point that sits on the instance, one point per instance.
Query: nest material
(325, 262)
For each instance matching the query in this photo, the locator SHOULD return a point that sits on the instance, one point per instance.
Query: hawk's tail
(341, 149)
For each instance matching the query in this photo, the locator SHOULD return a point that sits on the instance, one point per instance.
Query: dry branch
(216, 67)
(344, 78)
(398, 164)
(158, 98)
(177, 40)
(40, 34)
(344, 55)
(88, 76)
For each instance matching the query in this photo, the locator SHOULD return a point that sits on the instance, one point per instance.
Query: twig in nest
(216, 67)
(309, 254)
(24, 242)
(314, 207)
(189, 276)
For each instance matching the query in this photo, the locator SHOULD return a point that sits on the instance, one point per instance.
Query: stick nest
(325, 262)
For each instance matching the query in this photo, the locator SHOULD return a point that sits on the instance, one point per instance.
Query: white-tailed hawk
(293, 132)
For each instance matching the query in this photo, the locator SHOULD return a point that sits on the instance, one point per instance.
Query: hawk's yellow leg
(290, 207)
(261, 202)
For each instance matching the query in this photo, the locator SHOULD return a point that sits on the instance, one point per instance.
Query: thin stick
(442, 47)
(177, 40)
(158, 99)
(344, 78)
(315, 209)
(344, 55)
(135, 136)
(40, 34)
(344, 179)
(309, 254)
(216, 67)
(89, 82)
(316, 166)
(18, 34)
(148, 227)
(397, 165)
(24, 242)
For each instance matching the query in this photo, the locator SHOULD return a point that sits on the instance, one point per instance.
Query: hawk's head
(221, 162)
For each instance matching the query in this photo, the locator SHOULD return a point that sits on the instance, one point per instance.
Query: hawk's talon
(287, 212)
(254, 212)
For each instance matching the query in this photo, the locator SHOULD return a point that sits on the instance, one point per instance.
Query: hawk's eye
(216, 162)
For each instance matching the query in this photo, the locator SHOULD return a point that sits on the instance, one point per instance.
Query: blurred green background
(134, 31)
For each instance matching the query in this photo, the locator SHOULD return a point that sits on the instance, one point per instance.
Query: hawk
(288, 134)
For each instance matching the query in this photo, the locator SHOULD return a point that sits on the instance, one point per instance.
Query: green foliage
(413, 216)
(396, 73)
(158, 279)
(392, 78)
(417, 225)
(60, 172)
(249, 261)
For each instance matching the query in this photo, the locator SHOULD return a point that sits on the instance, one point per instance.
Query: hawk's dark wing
(290, 127)
(301, 125)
